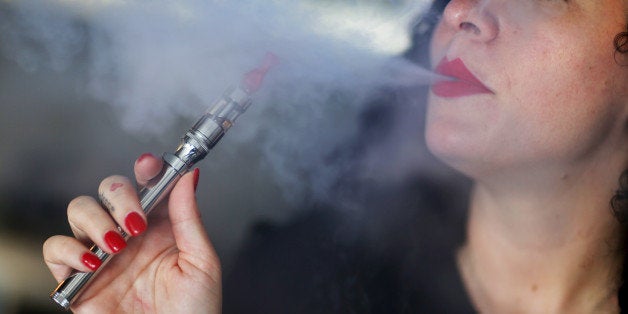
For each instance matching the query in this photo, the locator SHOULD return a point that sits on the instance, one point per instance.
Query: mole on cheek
(115, 186)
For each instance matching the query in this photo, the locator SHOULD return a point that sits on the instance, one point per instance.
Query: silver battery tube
(194, 146)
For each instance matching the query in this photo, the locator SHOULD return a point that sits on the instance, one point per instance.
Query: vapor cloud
(158, 61)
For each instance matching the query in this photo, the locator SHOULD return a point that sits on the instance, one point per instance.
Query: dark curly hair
(619, 205)
(619, 202)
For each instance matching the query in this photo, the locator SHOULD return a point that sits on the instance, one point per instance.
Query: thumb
(187, 227)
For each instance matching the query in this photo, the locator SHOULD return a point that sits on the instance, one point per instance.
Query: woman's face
(539, 83)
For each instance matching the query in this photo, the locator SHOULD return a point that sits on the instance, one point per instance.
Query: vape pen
(193, 147)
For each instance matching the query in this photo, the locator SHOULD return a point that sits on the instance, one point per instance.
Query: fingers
(147, 167)
(119, 196)
(89, 222)
(62, 254)
(190, 235)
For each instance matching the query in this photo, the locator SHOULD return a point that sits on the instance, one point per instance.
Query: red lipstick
(464, 83)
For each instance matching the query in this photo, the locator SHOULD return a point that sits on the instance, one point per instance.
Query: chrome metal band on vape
(194, 146)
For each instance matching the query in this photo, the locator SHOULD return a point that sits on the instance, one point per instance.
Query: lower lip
(451, 89)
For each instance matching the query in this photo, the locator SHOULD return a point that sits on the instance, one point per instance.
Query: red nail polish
(90, 260)
(143, 156)
(115, 241)
(196, 174)
(135, 223)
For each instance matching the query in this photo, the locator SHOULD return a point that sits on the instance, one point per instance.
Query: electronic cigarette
(194, 146)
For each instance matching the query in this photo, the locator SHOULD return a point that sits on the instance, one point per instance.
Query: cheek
(569, 109)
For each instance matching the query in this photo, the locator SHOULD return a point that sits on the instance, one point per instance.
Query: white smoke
(158, 61)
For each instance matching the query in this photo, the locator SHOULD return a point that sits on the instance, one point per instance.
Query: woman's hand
(168, 266)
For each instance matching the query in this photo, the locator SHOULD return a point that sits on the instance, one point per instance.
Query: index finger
(147, 166)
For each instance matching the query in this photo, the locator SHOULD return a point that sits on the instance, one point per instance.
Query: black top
(395, 256)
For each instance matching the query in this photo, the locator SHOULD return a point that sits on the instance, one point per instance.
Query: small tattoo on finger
(115, 186)
(106, 202)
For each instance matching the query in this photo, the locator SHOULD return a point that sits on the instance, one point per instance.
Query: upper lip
(458, 70)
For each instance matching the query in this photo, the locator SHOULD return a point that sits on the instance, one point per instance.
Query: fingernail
(143, 156)
(196, 174)
(115, 241)
(90, 260)
(135, 223)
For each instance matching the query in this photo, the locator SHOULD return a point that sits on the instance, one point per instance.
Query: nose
(472, 18)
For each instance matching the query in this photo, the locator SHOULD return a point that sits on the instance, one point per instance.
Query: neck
(546, 245)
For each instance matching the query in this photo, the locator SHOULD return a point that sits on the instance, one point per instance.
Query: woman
(541, 131)
(536, 119)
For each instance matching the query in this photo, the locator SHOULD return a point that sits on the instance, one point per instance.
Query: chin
(447, 139)
(459, 151)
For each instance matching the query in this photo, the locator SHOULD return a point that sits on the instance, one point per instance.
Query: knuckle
(48, 245)
(77, 204)
(55, 245)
